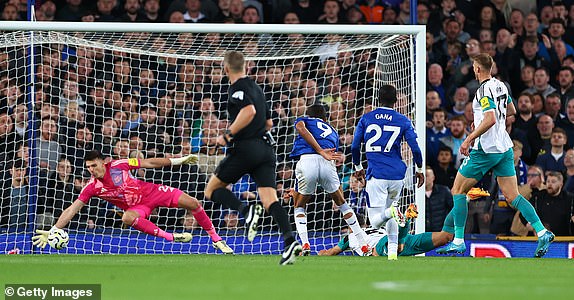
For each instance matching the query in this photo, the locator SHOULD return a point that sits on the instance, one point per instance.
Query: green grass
(260, 277)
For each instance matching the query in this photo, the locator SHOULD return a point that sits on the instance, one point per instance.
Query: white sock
(377, 216)
(458, 241)
(357, 230)
(301, 225)
(541, 232)
(393, 236)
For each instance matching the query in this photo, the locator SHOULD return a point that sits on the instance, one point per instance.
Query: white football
(58, 239)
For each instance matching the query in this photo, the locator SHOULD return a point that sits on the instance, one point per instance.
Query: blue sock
(527, 210)
(460, 210)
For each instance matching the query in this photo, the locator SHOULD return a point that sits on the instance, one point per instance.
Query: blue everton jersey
(382, 131)
(325, 135)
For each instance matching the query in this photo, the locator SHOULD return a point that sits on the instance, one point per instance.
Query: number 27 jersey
(382, 130)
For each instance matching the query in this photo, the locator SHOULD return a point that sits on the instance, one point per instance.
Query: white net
(164, 94)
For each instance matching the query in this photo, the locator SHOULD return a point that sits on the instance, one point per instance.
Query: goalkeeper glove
(186, 160)
(40, 240)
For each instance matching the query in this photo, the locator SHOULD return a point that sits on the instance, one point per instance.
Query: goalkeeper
(409, 244)
(113, 182)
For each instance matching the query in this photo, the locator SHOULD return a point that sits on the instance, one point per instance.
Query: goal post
(152, 90)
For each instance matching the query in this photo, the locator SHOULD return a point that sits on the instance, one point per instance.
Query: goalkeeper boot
(412, 212)
(397, 214)
(255, 212)
(543, 243)
(183, 237)
(476, 193)
(452, 248)
(306, 250)
(290, 253)
(222, 245)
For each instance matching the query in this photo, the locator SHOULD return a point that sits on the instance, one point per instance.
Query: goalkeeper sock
(280, 217)
(226, 198)
(205, 223)
(301, 224)
(393, 236)
(145, 225)
(527, 210)
(460, 213)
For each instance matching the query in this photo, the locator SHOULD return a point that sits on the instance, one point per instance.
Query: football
(58, 239)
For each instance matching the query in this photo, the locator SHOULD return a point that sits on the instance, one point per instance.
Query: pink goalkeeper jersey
(118, 186)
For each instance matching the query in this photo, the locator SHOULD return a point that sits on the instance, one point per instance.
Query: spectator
(47, 11)
(78, 146)
(435, 83)
(291, 18)
(236, 10)
(10, 13)
(307, 10)
(569, 165)
(566, 89)
(176, 17)
(132, 8)
(372, 11)
(554, 205)
(331, 13)
(121, 149)
(251, 15)
(567, 123)
(553, 160)
(17, 196)
(49, 149)
(107, 137)
(541, 83)
(438, 203)
(72, 11)
(8, 140)
(434, 134)
(540, 139)
(105, 11)
(444, 168)
(151, 11)
(56, 193)
(457, 135)
(357, 196)
(552, 106)
(432, 104)
(516, 22)
(460, 99)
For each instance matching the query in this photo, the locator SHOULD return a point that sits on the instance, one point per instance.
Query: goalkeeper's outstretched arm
(69, 214)
(163, 162)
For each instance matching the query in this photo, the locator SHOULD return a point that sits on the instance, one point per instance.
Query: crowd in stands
(130, 105)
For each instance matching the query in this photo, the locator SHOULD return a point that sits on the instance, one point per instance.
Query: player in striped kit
(491, 149)
(382, 130)
(315, 147)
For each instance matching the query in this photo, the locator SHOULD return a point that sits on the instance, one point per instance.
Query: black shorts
(254, 157)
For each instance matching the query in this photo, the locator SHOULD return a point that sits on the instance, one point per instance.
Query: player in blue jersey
(315, 147)
(491, 150)
(382, 130)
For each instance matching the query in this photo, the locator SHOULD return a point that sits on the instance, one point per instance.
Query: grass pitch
(260, 277)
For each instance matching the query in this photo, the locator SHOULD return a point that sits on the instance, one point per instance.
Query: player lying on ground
(315, 146)
(113, 182)
(409, 244)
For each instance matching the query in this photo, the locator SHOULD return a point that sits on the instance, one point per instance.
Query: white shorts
(382, 192)
(313, 169)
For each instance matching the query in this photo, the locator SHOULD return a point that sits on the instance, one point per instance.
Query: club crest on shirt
(238, 95)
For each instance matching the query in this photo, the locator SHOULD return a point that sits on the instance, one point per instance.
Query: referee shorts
(254, 157)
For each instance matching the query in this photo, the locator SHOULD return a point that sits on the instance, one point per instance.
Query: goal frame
(418, 56)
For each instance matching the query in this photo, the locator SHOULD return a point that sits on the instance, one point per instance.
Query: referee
(250, 151)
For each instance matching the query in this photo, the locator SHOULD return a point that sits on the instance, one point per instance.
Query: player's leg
(509, 188)
(351, 219)
(193, 206)
(392, 228)
(377, 194)
(306, 173)
(136, 218)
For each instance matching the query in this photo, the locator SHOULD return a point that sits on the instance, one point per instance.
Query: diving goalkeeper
(112, 181)
(409, 244)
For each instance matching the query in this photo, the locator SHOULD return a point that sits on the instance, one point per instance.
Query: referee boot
(290, 253)
(252, 219)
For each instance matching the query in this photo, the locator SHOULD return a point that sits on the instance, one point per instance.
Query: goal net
(132, 93)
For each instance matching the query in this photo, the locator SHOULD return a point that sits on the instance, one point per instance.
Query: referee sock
(460, 213)
(280, 217)
(226, 198)
(146, 226)
(529, 213)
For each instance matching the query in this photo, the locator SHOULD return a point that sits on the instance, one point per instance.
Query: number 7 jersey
(492, 94)
(382, 130)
